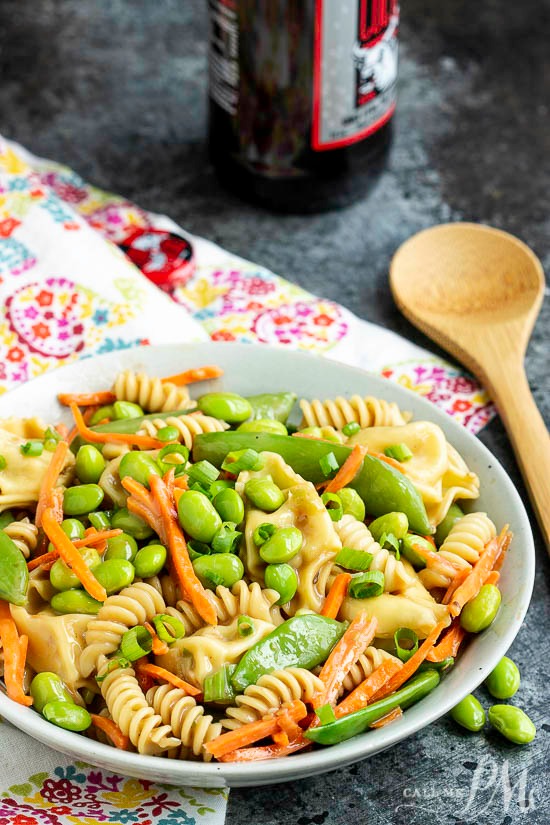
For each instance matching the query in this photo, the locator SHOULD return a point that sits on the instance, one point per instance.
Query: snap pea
(103, 412)
(221, 568)
(513, 723)
(67, 715)
(89, 464)
(47, 687)
(303, 641)
(229, 505)
(126, 409)
(352, 503)
(14, 575)
(115, 574)
(441, 666)
(6, 517)
(128, 522)
(480, 612)
(395, 523)
(354, 723)
(138, 465)
(123, 425)
(282, 546)
(276, 406)
(454, 513)
(264, 494)
(77, 501)
(263, 425)
(228, 406)
(74, 601)
(63, 578)
(283, 579)
(382, 488)
(197, 516)
(503, 682)
(150, 560)
(469, 713)
(123, 546)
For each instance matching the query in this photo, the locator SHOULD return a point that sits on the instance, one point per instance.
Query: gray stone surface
(117, 89)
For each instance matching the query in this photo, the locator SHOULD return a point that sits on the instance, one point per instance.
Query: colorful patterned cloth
(70, 288)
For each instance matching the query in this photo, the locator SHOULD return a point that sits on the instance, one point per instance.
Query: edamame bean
(283, 579)
(513, 723)
(504, 680)
(198, 516)
(74, 601)
(221, 484)
(63, 578)
(283, 545)
(229, 505)
(480, 612)
(264, 494)
(123, 546)
(263, 425)
(114, 574)
(47, 687)
(150, 560)
(352, 503)
(100, 520)
(228, 406)
(89, 464)
(77, 501)
(101, 414)
(469, 713)
(67, 715)
(73, 528)
(395, 523)
(221, 568)
(139, 466)
(454, 513)
(124, 520)
(408, 543)
(126, 409)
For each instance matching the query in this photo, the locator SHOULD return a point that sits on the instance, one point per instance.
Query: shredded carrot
(288, 725)
(343, 656)
(436, 561)
(281, 738)
(449, 644)
(50, 480)
(97, 537)
(388, 460)
(160, 673)
(87, 399)
(348, 470)
(472, 584)
(192, 376)
(143, 441)
(159, 647)
(62, 430)
(267, 751)
(15, 654)
(455, 582)
(431, 540)
(493, 577)
(42, 560)
(363, 693)
(336, 595)
(71, 556)
(119, 739)
(390, 717)
(506, 538)
(254, 731)
(410, 667)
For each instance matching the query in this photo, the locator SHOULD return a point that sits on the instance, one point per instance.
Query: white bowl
(250, 370)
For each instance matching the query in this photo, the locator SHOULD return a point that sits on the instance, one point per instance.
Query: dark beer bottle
(301, 97)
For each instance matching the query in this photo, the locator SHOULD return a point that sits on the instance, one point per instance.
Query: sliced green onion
(398, 451)
(172, 450)
(353, 559)
(168, 628)
(51, 439)
(32, 448)
(204, 473)
(220, 484)
(180, 469)
(328, 464)
(200, 488)
(167, 434)
(217, 686)
(196, 549)
(351, 428)
(240, 460)
(366, 585)
(214, 578)
(334, 505)
(325, 714)
(135, 643)
(114, 664)
(406, 643)
(100, 520)
(389, 542)
(245, 626)
(262, 533)
(3, 462)
(226, 539)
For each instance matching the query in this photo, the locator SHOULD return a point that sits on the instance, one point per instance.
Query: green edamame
(48, 687)
(115, 574)
(220, 484)
(513, 723)
(469, 713)
(221, 568)
(89, 464)
(102, 413)
(263, 425)
(100, 520)
(123, 546)
(63, 578)
(73, 528)
(480, 612)
(283, 579)
(395, 523)
(408, 543)
(504, 680)
(126, 409)
(77, 501)
(128, 522)
(264, 494)
(229, 505)
(272, 405)
(283, 545)
(197, 516)
(228, 406)
(352, 503)
(14, 575)
(67, 715)
(74, 601)
(454, 513)
(150, 560)
(139, 466)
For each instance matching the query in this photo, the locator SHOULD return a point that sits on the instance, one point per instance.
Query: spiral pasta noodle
(188, 426)
(270, 692)
(150, 392)
(185, 718)
(114, 449)
(167, 587)
(131, 711)
(24, 535)
(371, 659)
(134, 605)
(243, 599)
(462, 547)
(367, 412)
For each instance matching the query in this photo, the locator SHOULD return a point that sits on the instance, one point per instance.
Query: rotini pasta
(24, 535)
(367, 412)
(365, 665)
(151, 393)
(188, 426)
(187, 720)
(461, 548)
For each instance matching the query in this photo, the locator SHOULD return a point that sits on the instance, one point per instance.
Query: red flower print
(60, 790)
(41, 331)
(282, 319)
(15, 354)
(461, 406)
(7, 226)
(21, 819)
(323, 320)
(222, 335)
(254, 305)
(44, 298)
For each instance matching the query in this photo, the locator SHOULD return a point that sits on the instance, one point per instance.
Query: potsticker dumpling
(395, 611)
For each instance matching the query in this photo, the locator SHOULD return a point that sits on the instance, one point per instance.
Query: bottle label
(224, 57)
(355, 69)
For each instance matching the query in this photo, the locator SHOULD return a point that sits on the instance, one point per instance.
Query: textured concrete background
(117, 89)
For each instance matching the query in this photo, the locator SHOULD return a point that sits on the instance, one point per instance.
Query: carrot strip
(388, 460)
(87, 399)
(390, 717)
(336, 595)
(455, 582)
(71, 556)
(412, 664)
(15, 654)
(62, 430)
(253, 731)
(266, 752)
(159, 647)
(449, 644)
(119, 739)
(143, 441)
(506, 537)
(364, 692)
(348, 470)
(40, 561)
(192, 376)
(431, 540)
(472, 584)
(343, 656)
(493, 577)
(97, 537)
(50, 479)
(281, 738)
(436, 562)
(160, 673)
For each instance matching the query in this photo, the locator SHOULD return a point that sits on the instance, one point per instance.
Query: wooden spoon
(477, 292)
